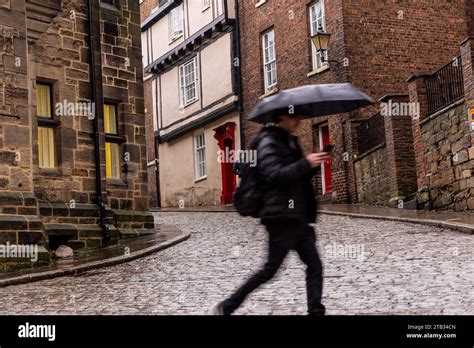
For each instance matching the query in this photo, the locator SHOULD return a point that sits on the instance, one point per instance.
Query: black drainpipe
(95, 97)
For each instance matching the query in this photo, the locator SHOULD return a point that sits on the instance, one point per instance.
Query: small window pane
(110, 119)
(176, 22)
(112, 160)
(43, 101)
(317, 20)
(200, 157)
(188, 82)
(269, 60)
(46, 151)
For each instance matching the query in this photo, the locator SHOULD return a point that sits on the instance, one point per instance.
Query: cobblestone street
(371, 267)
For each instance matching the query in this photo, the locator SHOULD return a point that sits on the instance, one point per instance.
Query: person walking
(289, 206)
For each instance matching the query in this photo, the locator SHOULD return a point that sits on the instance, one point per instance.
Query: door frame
(222, 133)
(323, 165)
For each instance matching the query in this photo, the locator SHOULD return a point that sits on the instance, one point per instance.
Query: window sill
(183, 107)
(273, 91)
(175, 39)
(111, 8)
(115, 182)
(53, 172)
(318, 71)
(200, 179)
(205, 9)
(260, 3)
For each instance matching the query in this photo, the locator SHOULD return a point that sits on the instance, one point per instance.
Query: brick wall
(378, 45)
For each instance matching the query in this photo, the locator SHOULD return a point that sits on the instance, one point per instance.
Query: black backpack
(248, 199)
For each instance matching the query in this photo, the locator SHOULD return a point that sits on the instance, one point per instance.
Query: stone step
(68, 210)
(126, 233)
(8, 199)
(136, 216)
(37, 258)
(64, 230)
(70, 220)
(77, 244)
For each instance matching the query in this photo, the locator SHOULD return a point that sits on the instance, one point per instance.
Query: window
(206, 4)
(112, 147)
(317, 20)
(46, 125)
(188, 82)
(200, 156)
(269, 60)
(176, 22)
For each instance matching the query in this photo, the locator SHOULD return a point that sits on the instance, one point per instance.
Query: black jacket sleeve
(273, 169)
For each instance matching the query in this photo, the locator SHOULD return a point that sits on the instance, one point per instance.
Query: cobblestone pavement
(371, 267)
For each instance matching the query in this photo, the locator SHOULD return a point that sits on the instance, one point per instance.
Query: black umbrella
(310, 101)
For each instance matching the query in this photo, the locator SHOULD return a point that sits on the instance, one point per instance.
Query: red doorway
(326, 167)
(225, 136)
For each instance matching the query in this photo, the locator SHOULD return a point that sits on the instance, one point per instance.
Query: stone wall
(448, 160)
(48, 42)
(60, 55)
(372, 181)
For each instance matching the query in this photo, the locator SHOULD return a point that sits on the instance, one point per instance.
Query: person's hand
(315, 159)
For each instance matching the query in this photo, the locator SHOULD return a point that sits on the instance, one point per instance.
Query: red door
(228, 177)
(225, 136)
(326, 167)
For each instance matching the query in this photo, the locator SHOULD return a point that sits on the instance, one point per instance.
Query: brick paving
(371, 267)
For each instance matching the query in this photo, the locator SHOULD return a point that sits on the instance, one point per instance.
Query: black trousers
(283, 237)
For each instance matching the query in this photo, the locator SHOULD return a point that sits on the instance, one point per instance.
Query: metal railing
(371, 133)
(445, 86)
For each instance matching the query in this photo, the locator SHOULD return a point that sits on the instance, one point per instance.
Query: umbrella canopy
(310, 101)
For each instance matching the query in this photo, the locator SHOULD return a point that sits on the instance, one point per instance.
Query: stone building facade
(73, 164)
(190, 53)
(146, 8)
(375, 45)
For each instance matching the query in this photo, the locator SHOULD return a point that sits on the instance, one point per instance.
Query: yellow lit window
(112, 150)
(110, 119)
(46, 147)
(112, 160)
(43, 101)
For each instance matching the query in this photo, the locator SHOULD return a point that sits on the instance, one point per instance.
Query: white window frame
(186, 81)
(269, 60)
(200, 156)
(176, 23)
(206, 4)
(215, 4)
(314, 21)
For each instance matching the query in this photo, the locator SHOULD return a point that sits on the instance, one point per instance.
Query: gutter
(240, 91)
(96, 96)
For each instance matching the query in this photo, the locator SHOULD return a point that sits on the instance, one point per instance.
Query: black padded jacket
(285, 178)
